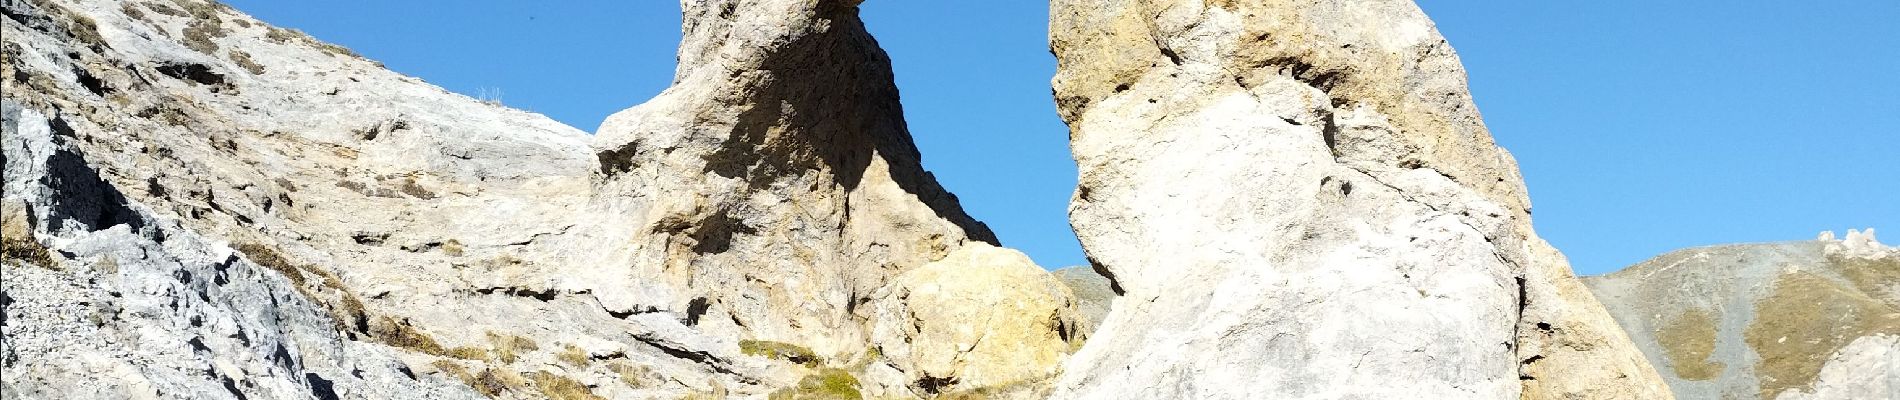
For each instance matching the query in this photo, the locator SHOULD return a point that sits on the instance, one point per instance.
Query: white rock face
(484, 250)
(1301, 196)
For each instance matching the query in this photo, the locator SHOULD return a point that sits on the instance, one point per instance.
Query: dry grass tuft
(573, 355)
(509, 348)
(561, 388)
(243, 59)
(634, 376)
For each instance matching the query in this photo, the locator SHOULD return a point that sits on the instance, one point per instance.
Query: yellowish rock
(981, 317)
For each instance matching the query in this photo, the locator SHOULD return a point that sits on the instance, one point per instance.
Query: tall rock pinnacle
(1302, 196)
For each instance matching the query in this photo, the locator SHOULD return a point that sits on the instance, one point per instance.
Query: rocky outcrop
(726, 238)
(1795, 320)
(1301, 196)
(126, 305)
(774, 183)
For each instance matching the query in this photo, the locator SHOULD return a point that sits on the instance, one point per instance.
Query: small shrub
(782, 351)
(412, 189)
(281, 35)
(243, 59)
(495, 381)
(400, 334)
(454, 369)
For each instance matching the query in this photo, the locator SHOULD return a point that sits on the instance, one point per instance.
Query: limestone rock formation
(1794, 320)
(302, 222)
(1254, 172)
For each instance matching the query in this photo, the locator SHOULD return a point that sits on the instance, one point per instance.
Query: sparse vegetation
(490, 96)
(400, 334)
(1689, 340)
(1805, 320)
(781, 351)
(509, 348)
(18, 244)
(243, 59)
(200, 33)
(573, 355)
(287, 36)
(269, 258)
(825, 384)
(167, 10)
(494, 381)
(412, 189)
(558, 387)
(633, 375)
(469, 353)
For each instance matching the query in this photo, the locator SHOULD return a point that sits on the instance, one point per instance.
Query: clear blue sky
(1641, 126)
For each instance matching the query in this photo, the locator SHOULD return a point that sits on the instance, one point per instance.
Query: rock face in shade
(1301, 196)
(1794, 320)
(301, 222)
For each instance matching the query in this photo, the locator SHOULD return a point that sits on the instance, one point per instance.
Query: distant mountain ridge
(1815, 319)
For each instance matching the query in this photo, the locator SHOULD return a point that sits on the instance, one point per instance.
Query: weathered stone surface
(1301, 196)
(132, 306)
(482, 249)
(1793, 320)
(983, 317)
(774, 182)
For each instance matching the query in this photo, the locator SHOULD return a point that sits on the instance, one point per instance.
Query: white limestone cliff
(1301, 196)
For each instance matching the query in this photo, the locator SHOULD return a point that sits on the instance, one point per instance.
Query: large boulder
(1301, 195)
(983, 318)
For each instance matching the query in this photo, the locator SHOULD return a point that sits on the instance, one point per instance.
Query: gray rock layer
(1300, 195)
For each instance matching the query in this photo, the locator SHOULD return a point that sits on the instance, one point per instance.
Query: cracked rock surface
(1300, 195)
(202, 205)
